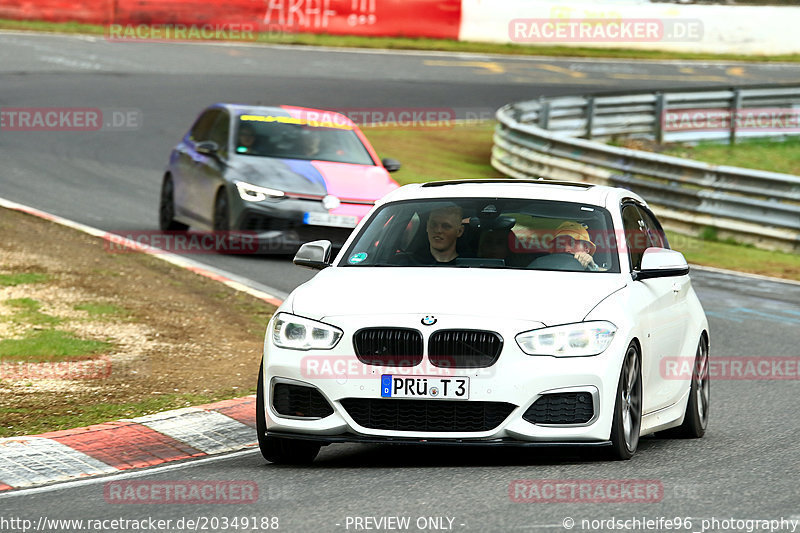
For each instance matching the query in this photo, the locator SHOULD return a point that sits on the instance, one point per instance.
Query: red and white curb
(127, 444)
(140, 442)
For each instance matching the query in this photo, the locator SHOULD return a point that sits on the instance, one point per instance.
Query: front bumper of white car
(333, 396)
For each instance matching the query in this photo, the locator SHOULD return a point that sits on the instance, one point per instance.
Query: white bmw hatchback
(495, 312)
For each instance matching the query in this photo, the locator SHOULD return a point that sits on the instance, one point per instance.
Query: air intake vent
(300, 401)
(561, 408)
(427, 415)
(400, 347)
(456, 348)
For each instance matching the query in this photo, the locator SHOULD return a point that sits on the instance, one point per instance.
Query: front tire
(695, 421)
(627, 422)
(280, 450)
(222, 213)
(166, 207)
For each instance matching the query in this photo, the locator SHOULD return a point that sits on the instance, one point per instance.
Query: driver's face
(246, 138)
(443, 230)
(311, 144)
(569, 245)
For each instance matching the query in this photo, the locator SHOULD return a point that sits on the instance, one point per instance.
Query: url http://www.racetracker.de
(43, 524)
(677, 523)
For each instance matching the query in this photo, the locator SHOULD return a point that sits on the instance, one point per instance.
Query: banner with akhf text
(400, 18)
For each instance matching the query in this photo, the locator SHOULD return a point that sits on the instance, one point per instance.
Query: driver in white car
(572, 250)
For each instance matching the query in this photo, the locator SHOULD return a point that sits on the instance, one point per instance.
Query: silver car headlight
(298, 333)
(254, 193)
(570, 340)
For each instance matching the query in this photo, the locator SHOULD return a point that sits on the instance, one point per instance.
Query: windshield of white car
(261, 138)
(495, 233)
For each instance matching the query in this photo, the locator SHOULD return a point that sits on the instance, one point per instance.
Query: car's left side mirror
(314, 254)
(661, 263)
(391, 165)
(207, 148)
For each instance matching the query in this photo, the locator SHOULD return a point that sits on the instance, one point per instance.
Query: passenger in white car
(444, 228)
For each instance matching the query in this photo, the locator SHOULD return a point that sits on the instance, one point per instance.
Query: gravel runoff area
(175, 338)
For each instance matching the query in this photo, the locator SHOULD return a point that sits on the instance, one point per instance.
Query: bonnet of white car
(547, 297)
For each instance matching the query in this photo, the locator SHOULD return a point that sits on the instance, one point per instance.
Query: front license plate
(428, 388)
(326, 219)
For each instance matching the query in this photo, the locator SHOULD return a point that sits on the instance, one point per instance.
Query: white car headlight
(570, 340)
(298, 333)
(254, 193)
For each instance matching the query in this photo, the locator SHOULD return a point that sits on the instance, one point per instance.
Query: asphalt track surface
(746, 467)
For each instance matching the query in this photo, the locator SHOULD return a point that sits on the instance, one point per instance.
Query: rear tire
(280, 450)
(695, 421)
(166, 207)
(627, 422)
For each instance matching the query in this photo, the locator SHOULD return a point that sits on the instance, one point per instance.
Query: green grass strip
(97, 309)
(734, 256)
(50, 345)
(12, 280)
(762, 154)
(28, 313)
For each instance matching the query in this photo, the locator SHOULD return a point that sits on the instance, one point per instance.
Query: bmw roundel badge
(429, 320)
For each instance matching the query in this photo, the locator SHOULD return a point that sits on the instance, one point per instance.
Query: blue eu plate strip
(386, 386)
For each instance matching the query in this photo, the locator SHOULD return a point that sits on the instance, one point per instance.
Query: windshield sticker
(357, 258)
(292, 120)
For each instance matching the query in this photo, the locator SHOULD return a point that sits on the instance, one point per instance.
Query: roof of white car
(514, 188)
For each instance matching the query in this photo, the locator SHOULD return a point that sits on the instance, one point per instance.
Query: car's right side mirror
(661, 263)
(391, 165)
(314, 254)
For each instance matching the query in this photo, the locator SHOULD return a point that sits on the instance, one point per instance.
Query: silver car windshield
(488, 233)
(264, 138)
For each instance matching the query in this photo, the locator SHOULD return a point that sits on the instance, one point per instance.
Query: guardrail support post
(544, 114)
(736, 105)
(658, 119)
(589, 116)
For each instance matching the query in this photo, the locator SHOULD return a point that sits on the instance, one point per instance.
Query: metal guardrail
(553, 138)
